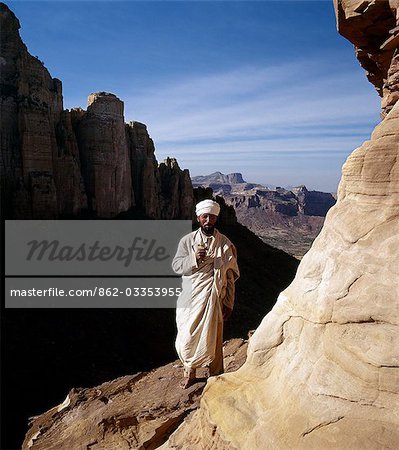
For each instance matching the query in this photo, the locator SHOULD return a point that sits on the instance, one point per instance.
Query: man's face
(207, 222)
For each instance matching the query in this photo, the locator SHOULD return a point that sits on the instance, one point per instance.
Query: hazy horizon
(268, 89)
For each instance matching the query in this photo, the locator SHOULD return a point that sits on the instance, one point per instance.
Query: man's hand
(200, 254)
(226, 312)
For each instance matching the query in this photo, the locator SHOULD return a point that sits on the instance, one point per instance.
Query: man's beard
(208, 229)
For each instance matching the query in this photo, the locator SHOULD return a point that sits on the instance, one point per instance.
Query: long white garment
(206, 287)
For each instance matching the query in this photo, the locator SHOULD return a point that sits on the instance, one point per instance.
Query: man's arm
(184, 261)
(228, 301)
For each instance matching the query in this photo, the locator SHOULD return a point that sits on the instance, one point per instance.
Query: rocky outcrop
(373, 28)
(134, 411)
(323, 367)
(58, 163)
(39, 168)
(313, 203)
(144, 169)
(104, 155)
(234, 178)
(176, 190)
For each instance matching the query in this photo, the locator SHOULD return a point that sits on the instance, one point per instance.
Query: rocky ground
(135, 411)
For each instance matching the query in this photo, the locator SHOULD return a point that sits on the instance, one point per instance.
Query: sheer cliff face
(33, 167)
(323, 367)
(104, 155)
(144, 169)
(373, 28)
(58, 163)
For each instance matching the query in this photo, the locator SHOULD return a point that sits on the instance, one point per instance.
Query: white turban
(207, 207)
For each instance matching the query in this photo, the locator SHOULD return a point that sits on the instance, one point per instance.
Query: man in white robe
(207, 261)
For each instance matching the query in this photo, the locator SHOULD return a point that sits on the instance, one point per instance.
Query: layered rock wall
(373, 28)
(176, 190)
(144, 169)
(313, 203)
(323, 366)
(290, 203)
(60, 163)
(104, 155)
(32, 164)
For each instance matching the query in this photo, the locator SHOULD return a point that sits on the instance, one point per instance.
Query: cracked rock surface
(135, 411)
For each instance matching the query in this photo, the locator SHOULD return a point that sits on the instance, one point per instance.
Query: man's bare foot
(186, 382)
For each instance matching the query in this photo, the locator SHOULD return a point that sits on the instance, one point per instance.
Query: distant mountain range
(219, 181)
(287, 219)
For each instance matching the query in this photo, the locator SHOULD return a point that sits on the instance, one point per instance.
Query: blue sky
(266, 88)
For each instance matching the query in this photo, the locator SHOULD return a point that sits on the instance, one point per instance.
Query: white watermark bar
(92, 263)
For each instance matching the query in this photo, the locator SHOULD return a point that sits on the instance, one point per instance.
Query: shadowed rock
(58, 163)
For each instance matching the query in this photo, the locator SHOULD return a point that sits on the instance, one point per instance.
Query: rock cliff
(373, 28)
(288, 220)
(176, 190)
(313, 203)
(59, 163)
(104, 155)
(40, 168)
(323, 367)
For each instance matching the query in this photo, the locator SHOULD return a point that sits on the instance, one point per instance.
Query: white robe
(206, 287)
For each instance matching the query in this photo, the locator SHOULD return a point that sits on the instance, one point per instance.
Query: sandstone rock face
(58, 163)
(104, 155)
(373, 27)
(33, 166)
(176, 190)
(144, 169)
(323, 367)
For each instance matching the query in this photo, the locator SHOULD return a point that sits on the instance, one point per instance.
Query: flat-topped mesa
(235, 177)
(373, 28)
